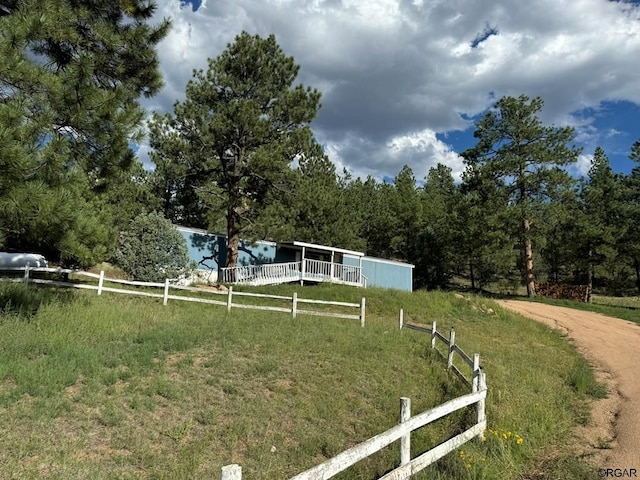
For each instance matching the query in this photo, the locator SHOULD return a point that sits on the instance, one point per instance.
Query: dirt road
(613, 346)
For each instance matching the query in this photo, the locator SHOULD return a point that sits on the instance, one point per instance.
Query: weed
(181, 431)
(582, 379)
(604, 443)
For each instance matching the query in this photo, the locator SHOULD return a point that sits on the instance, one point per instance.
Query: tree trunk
(233, 212)
(589, 281)
(233, 239)
(636, 265)
(528, 259)
(473, 278)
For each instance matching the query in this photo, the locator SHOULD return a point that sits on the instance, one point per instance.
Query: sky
(403, 81)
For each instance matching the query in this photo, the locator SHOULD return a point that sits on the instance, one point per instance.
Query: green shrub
(151, 249)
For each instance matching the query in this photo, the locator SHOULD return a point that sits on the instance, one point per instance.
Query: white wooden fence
(166, 295)
(408, 424)
(452, 349)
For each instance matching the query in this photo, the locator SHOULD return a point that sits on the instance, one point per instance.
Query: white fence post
(405, 440)
(229, 298)
(231, 472)
(452, 342)
(433, 334)
(475, 373)
(401, 318)
(362, 311)
(100, 282)
(26, 275)
(482, 385)
(166, 291)
(294, 308)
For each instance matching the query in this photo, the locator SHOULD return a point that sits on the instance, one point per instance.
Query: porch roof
(323, 248)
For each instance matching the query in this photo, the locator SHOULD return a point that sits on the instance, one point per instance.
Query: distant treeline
(238, 155)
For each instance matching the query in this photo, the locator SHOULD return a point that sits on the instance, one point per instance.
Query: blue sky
(403, 80)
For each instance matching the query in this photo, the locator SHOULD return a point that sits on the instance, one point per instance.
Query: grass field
(122, 387)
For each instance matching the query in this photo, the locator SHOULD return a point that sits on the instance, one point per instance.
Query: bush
(151, 249)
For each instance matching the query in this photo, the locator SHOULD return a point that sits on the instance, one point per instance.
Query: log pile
(578, 293)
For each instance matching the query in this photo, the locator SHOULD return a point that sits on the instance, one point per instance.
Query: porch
(311, 263)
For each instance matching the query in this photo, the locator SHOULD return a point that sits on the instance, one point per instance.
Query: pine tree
(598, 228)
(629, 245)
(484, 228)
(556, 239)
(242, 124)
(71, 76)
(406, 216)
(321, 212)
(524, 158)
(438, 237)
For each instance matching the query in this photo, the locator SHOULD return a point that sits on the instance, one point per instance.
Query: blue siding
(256, 254)
(384, 273)
(202, 244)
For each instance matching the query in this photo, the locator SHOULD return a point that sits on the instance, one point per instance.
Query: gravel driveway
(613, 346)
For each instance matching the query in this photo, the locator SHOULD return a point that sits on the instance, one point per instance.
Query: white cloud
(422, 151)
(391, 68)
(582, 166)
(143, 154)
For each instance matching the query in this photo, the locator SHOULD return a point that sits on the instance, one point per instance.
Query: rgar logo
(618, 473)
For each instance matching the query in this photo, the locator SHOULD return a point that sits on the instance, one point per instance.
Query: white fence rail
(307, 270)
(166, 287)
(452, 349)
(408, 424)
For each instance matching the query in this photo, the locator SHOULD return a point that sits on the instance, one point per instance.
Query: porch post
(332, 259)
(303, 267)
(360, 274)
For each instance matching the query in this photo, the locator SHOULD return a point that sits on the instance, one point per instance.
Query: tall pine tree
(598, 228)
(71, 76)
(630, 242)
(438, 236)
(242, 124)
(523, 157)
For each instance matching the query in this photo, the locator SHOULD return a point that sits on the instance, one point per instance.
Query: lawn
(123, 387)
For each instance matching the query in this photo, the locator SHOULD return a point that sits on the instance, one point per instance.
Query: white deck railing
(269, 273)
(310, 270)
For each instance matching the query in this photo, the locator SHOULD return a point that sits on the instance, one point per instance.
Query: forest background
(238, 155)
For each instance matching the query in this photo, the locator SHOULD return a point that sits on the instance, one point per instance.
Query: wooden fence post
(26, 275)
(482, 385)
(166, 291)
(475, 373)
(401, 318)
(100, 282)
(294, 308)
(452, 342)
(362, 312)
(433, 334)
(229, 298)
(231, 472)
(405, 440)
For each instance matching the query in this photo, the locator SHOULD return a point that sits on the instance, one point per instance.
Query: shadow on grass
(21, 300)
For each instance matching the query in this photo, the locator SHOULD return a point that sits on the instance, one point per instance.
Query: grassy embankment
(122, 387)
